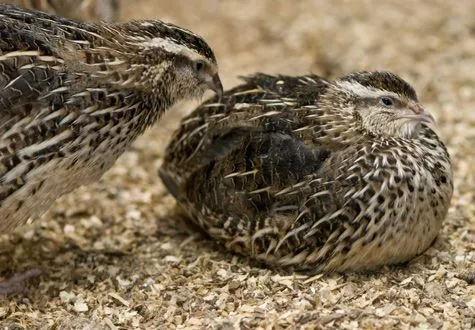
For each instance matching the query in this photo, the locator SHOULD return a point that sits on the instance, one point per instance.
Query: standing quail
(83, 10)
(315, 174)
(74, 96)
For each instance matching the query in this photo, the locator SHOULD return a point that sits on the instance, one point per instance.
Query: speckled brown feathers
(317, 174)
(74, 95)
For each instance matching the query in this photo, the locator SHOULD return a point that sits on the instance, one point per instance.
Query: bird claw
(15, 284)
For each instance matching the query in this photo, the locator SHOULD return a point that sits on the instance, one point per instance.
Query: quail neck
(74, 95)
(311, 173)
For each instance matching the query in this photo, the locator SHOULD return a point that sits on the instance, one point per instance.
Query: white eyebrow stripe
(364, 91)
(167, 44)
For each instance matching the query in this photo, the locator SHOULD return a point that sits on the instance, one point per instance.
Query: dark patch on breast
(284, 159)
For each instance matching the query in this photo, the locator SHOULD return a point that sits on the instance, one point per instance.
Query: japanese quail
(74, 96)
(315, 174)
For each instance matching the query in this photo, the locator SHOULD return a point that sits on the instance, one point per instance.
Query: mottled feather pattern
(244, 108)
(272, 172)
(73, 96)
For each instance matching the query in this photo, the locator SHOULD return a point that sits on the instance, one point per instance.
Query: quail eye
(386, 101)
(198, 65)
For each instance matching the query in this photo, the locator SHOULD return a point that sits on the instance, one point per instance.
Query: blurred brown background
(118, 255)
(421, 41)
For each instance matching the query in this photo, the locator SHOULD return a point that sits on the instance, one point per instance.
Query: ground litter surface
(118, 255)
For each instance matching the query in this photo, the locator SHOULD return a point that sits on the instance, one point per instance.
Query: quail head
(83, 10)
(74, 95)
(315, 174)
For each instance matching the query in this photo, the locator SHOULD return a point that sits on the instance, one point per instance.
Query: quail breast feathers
(74, 95)
(311, 173)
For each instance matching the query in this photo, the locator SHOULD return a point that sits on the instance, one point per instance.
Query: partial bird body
(312, 173)
(74, 95)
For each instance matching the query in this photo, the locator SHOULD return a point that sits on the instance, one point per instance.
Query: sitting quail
(83, 10)
(316, 174)
(73, 96)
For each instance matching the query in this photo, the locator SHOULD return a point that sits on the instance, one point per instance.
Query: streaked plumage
(81, 10)
(73, 96)
(311, 173)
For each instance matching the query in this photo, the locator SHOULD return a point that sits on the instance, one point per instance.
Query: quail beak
(420, 114)
(214, 83)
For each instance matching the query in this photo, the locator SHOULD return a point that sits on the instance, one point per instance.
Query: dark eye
(198, 65)
(386, 101)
